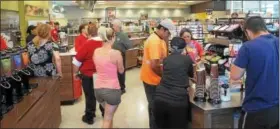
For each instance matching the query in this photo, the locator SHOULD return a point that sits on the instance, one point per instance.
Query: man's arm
(127, 43)
(155, 57)
(236, 73)
(238, 67)
(156, 66)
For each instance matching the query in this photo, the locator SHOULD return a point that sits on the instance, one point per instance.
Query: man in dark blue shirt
(259, 58)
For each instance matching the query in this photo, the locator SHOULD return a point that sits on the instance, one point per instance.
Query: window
(263, 7)
(253, 6)
(270, 7)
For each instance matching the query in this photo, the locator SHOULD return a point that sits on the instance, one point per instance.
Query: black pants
(263, 119)
(150, 91)
(168, 115)
(87, 83)
(121, 77)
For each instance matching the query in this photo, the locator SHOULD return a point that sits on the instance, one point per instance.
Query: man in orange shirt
(154, 51)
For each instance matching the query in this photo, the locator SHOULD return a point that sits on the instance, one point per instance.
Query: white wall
(75, 12)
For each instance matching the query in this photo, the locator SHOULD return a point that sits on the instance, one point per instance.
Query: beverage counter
(39, 109)
(70, 89)
(207, 115)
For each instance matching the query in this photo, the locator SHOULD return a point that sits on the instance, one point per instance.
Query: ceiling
(133, 4)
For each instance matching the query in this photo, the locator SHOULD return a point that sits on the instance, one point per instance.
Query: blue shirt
(259, 57)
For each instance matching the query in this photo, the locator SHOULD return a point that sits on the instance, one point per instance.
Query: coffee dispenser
(24, 73)
(214, 89)
(5, 87)
(15, 80)
(28, 70)
(6, 96)
(200, 88)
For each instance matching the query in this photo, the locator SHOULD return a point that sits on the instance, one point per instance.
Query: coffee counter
(132, 54)
(207, 115)
(70, 89)
(39, 109)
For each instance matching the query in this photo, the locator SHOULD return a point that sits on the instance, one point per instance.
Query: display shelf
(219, 41)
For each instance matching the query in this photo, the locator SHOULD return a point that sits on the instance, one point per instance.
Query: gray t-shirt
(122, 42)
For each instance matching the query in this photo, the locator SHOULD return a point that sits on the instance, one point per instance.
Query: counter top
(235, 102)
(136, 38)
(71, 52)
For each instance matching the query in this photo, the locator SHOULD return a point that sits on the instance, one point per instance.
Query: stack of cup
(200, 85)
(214, 90)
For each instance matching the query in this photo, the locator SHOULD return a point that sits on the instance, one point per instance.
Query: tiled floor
(132, 111)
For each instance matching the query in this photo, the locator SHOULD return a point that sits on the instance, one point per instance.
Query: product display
(214, 90)
(213, 96)
(223, 28)
(200, 89)
(15, 74)
(6, 64)
(232, 27)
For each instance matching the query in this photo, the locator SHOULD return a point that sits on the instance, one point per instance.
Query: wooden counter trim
(36, 108)
(206, 115)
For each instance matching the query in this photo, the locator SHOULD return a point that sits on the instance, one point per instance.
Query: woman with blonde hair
(42, 53)
(107, 88)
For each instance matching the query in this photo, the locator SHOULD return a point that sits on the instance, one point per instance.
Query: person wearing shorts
(108, 64)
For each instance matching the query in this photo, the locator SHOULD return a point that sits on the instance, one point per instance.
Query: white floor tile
(132, 111)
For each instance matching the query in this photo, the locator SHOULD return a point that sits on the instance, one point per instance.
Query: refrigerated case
(10, 27)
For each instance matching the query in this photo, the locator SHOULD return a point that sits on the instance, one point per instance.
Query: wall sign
(209, 11)
(31, 10)
(110, 13)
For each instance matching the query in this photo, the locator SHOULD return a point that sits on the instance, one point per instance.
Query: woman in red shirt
(83, 62)
(193, 48)
(82, 38)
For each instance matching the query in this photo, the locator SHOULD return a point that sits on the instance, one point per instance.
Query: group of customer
(100, 60)
(166, 77)
(100, 63)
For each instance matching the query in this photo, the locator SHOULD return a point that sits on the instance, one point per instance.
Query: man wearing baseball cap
(154, 51)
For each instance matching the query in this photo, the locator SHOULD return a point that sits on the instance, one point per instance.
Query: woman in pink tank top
(106, 84)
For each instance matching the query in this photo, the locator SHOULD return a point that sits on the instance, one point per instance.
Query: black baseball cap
(178, 43)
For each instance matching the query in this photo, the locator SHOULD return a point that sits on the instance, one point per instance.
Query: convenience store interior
(61, 103)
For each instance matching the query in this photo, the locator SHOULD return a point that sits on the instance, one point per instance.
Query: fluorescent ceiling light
(161, 1)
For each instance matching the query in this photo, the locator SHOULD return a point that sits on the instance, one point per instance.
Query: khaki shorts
(110, 96)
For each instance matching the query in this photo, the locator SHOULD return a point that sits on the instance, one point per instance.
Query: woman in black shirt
(31, 33)
(171, 98)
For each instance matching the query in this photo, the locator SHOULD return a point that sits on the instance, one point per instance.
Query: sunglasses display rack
(196, 28)
(227, 38)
